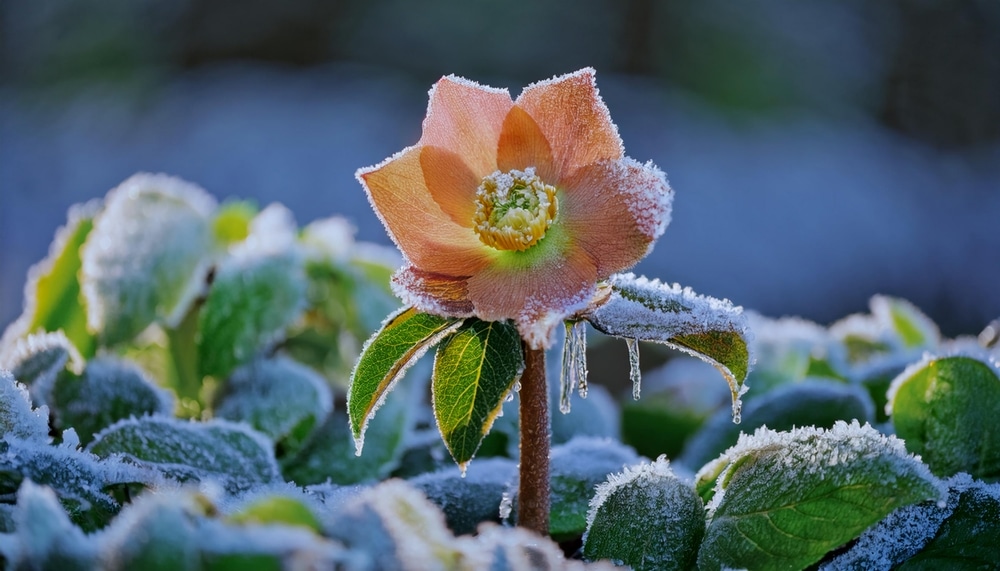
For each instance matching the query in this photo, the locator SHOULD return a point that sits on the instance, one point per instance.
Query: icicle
(578, 354)
(633, 363)
(567, 376)
(506, 506)
(737, 408)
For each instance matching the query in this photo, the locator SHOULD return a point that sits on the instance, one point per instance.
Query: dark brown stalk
(533, 491)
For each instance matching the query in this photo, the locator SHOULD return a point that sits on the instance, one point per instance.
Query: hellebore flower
(516, 209)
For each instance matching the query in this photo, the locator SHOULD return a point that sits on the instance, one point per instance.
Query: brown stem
(533, 491)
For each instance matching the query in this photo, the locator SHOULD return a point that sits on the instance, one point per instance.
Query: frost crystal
(634, 374)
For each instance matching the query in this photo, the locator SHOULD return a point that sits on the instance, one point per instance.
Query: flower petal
(432, 293)
(425, 233)
(451, 183)
(523, 145)
(465, 118)
(615, 210)
(574, 120)
(537, 297)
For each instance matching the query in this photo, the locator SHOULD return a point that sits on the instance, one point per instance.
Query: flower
(516, 209)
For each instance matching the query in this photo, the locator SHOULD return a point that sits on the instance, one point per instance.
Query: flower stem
(184, 364)
(533, 492)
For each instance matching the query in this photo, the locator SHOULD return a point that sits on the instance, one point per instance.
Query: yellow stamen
(514, 209)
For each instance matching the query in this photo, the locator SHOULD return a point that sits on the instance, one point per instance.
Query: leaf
(817, 402)
(147, 257)
(329, 453)
(968, 539)
(276, 509)
(912, 327)
(646, 518)
(708, 328)
(946, 411)
(471, 497)
(279, 397)
(250, 304)
(17, 417)
(156, 532)
(45, 536)
(474, 370)
(404, 337)
(237, 456)
(36, 360)
(109, 390)
(52, 293)
(784, 499)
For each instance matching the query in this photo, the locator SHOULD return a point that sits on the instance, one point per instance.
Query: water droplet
(517, 386)
(462, 468)
(737, 408)
(633, 363)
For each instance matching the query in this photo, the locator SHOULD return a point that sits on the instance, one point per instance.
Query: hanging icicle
(633, 362)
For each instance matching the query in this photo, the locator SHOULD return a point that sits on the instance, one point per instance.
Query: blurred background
(821, 151)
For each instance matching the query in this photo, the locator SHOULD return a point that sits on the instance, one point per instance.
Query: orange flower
(516, 209)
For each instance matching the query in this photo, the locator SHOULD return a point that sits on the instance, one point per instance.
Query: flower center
(514, 209)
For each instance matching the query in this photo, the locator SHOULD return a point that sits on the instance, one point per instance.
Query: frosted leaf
(329, 453)
(499, 548)
(52, 300)
(329, 239)
(472, 498)
(820, 488)
(45, 538)
(17, 417)
(912, 328)
(36, 359)
(705, 327)
(147, 257)
(645, 517)
(945, 408)
(272, 546)
(787, 349)
(900, 535)
(398, 528)
(253, 299)
(279, 397)
(80, 479)
(272, 232)
(817, 402)
(107, 391)
(230, 453)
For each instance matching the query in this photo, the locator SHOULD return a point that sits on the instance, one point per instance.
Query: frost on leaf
(37, 359)
(45, 538)
(230, 453)
(820, 403)
(52, 299)
(470, 498)
(17, 417)
(645, 517)
(147, 257)
(253, 299)
(784, 499)
(397, 527)
(705, 327)
(945, 408)
(279, 397)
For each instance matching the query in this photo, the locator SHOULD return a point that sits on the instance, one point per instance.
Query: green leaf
(279, 397)
(108, 391)
(818, 403)
(52, 294)
(968, 539)
(277, 509)
(912, 328)
(36, 360)
(253, 299)
(329, 453)
(147, 257)
(710, 329)
(231, 223)
(156, 532)
(946, 411)
(404, 337)
(783, 500)
(232, 453)
(474, 370)
(472, 497)
(45, 536)
(646, 518)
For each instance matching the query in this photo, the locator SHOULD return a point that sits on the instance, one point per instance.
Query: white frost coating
(77, 213)
(273, 231)
(148, 253)
(972, 353)
(330, 238)
(44, 533)
(811, 450)
(883, 307)
(647, 474)
(54, 349)
(785, 345)
(17, 418)
(541, 315)
(407, 286)
(902, 533)
(497, 547)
